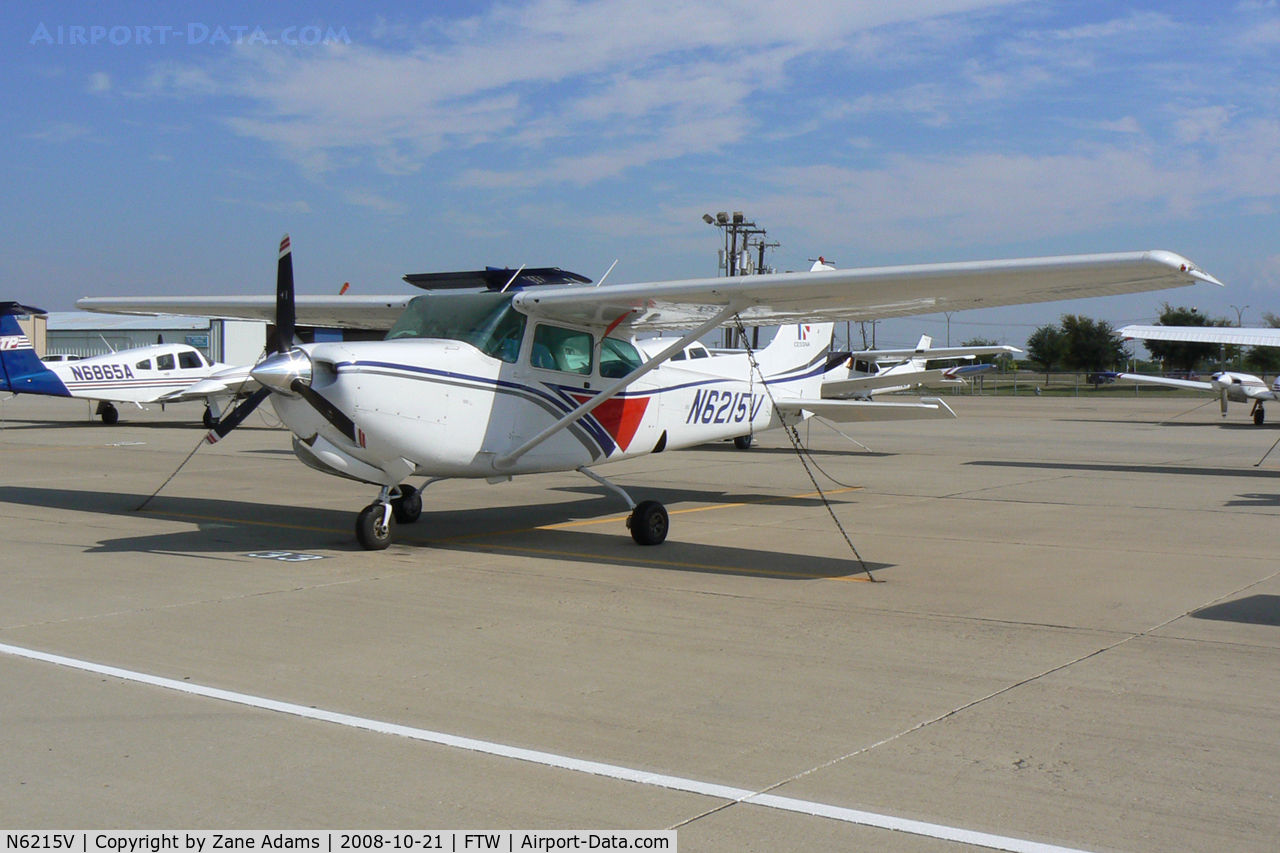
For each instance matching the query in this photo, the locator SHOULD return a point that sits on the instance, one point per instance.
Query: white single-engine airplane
(160, 373)
(1229, 385)
(862, 375)
(499, 383)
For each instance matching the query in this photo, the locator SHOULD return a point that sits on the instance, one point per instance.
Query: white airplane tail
(919, 362)
(797, 356)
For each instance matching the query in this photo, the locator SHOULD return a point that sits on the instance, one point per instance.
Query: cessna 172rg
(159, 373)
(499, 383)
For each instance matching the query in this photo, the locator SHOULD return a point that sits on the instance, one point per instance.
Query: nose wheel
(375, 526)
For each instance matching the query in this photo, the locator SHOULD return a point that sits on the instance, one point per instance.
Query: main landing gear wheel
(372, 534)
(209, 420)
(649, 523)
(1259, 416)
(407, 506)
(109, 413)
(742, 442)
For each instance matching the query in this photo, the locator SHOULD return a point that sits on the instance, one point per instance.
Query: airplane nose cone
(281, 370)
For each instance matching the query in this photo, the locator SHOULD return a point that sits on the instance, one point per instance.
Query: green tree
(1091, 344)
(1265, 359)
(1046, 347)
(1181, 356)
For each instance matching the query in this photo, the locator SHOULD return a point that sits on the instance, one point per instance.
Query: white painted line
(547, 759)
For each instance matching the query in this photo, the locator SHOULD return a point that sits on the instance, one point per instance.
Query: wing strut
(507, 460)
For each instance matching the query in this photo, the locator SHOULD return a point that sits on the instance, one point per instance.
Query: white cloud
(60, 131)
(608, 69)
(99, 83)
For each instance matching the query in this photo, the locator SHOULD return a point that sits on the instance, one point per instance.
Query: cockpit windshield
(485, 320)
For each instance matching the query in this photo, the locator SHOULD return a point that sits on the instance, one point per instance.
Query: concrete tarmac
(1074, 637)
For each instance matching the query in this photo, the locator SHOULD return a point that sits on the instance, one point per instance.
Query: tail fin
(21, 371)
(920, 361)
(797, 354)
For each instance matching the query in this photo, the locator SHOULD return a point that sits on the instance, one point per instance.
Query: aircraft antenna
(513, 278)
(606, 272)
(794, 436)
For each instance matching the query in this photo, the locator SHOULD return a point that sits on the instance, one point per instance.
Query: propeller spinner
(288, 370)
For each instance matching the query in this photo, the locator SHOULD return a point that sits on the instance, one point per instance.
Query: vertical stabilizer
(21, 370)
(797, 354)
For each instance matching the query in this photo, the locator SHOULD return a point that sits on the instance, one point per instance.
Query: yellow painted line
(565, 524)
(187, 516)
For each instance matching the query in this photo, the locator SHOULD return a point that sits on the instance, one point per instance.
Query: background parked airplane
(150, 374)
(862, 375)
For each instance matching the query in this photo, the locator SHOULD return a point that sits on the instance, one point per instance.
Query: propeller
(287, 370)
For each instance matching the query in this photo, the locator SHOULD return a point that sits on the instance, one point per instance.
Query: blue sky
(571, 133)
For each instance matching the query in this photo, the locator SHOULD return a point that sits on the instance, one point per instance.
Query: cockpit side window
(567, 350)
(189, 360)
(618, 358)
(145, 364)
(164, 362)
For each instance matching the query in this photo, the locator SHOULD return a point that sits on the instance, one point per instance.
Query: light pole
(1240, 315)
(948, 313)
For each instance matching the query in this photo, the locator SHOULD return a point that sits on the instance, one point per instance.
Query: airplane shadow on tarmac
(1251, 610)
(589, 529)
(1131, 469)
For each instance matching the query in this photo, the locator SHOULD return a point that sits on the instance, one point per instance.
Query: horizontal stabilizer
(854, 411)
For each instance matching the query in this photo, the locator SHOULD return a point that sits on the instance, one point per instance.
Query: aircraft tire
(370, 533)
(408, 506)
(209, 422)
(649, 523)
(742, 442)
(1259, 416)
(109, 414)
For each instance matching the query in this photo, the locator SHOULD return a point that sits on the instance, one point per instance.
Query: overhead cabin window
(555, 348)
(189, 360)
(618, 358)
(486, 321)
(164, 362)
(145, 364)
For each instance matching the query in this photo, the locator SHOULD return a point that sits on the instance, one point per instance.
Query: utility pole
(740, 235)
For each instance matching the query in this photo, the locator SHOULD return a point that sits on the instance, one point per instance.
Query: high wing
(1167, 381)
(1245, 337)
(933, 353)
(862, 294)
(329, 312)
(856, 411)
(856, 294)
(834, 389)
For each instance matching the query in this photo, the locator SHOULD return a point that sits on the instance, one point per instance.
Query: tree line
(1082, 343)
